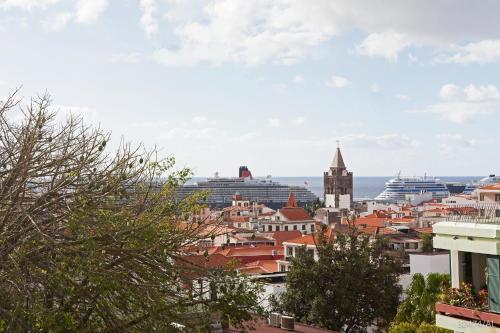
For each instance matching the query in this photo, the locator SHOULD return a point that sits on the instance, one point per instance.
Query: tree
(427, 243)
(97, 241)
(421, 297)
(312, 207)
(412, 328)
(352, 285)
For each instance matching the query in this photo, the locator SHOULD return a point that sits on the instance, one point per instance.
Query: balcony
(466, 320)
(481, 212)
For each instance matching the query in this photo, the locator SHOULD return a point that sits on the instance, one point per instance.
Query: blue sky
(272, 84)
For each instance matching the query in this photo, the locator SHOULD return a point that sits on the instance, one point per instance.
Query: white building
(472, 235)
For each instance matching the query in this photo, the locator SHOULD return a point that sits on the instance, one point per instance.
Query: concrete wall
(429, 263)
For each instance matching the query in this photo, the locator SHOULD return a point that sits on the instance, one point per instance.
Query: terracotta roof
(491, 187)
(283, 236)
(295, 213)
(425, 230)
(261, 266)
(303, 240)
(291, 201)
(251, 251)
(261, 326)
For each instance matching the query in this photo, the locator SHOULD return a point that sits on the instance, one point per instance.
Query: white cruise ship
(491, 179)
(397, 188)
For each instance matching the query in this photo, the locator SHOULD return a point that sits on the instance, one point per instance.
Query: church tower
(338, 191)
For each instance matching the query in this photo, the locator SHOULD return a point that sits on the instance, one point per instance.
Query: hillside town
(428, 235)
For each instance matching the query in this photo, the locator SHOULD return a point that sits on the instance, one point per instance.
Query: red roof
(303, 240)
(283, 236)
(291, 201)
(261, 326)
(260, 266)
(295, 213)
(491, 187)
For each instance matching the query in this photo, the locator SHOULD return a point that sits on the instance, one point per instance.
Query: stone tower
(338, 191)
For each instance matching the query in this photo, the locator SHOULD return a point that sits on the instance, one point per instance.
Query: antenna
(338, 143)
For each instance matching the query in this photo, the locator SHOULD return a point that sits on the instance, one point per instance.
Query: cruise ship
(266, 191)
(397, 188)
(491, 179)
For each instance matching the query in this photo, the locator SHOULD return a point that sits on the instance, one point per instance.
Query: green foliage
(412, 328)
(352, 285)
(403, 328)
(465, 297)
(428, 328)
(314, 206)
(93, 241)
(427, 243)
(421, 297)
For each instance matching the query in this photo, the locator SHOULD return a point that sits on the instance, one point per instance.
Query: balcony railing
(475, 213)
(487, 318)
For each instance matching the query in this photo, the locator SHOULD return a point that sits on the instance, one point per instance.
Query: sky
(410, 86)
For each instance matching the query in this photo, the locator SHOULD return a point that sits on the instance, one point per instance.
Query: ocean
(364, 187)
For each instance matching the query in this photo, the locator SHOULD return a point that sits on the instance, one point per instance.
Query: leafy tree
(421, 297)
(427, 243)
(97, 241)
(312, 207)
(352, 285)
(412, 328)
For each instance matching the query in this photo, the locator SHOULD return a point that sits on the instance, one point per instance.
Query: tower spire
(338, 161)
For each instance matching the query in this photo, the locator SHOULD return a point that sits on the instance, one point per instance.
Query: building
(338, 188)
(472, 235)
(289, 218)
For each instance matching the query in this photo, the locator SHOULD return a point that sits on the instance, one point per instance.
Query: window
(277, 228)
(497, 197)
(310, 252)
(481, 197)
(269, 228)
(277, 218)
(282, 268)
(303, 227)
(497, 213)
(289, 251)
(239, 225)
(294, 227)
(312, 227)
(286, 228)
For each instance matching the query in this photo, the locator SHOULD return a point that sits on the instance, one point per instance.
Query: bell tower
(338, 189)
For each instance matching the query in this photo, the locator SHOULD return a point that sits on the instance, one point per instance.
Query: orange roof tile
(283, 236)
(491, 187)
(295, 213)
(303, 240)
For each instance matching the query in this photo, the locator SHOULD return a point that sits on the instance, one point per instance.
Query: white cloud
(384, 141)
(148, 20)
(485, 51)
(245, 138)
(449, 91)
(387, 44)
(3, 82)
(461, 105)
(128, 58)
(57, 22)
(199, 119)
(26, 4)
(189, 133)
(88, 11)
(412, 58)
(273, 122)
(458, 139)
(151, 124)
(298, 79)
(280, 88)
(375, 88)
(403, 97)
(298, 121)
(337, 82)
(63, 111)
